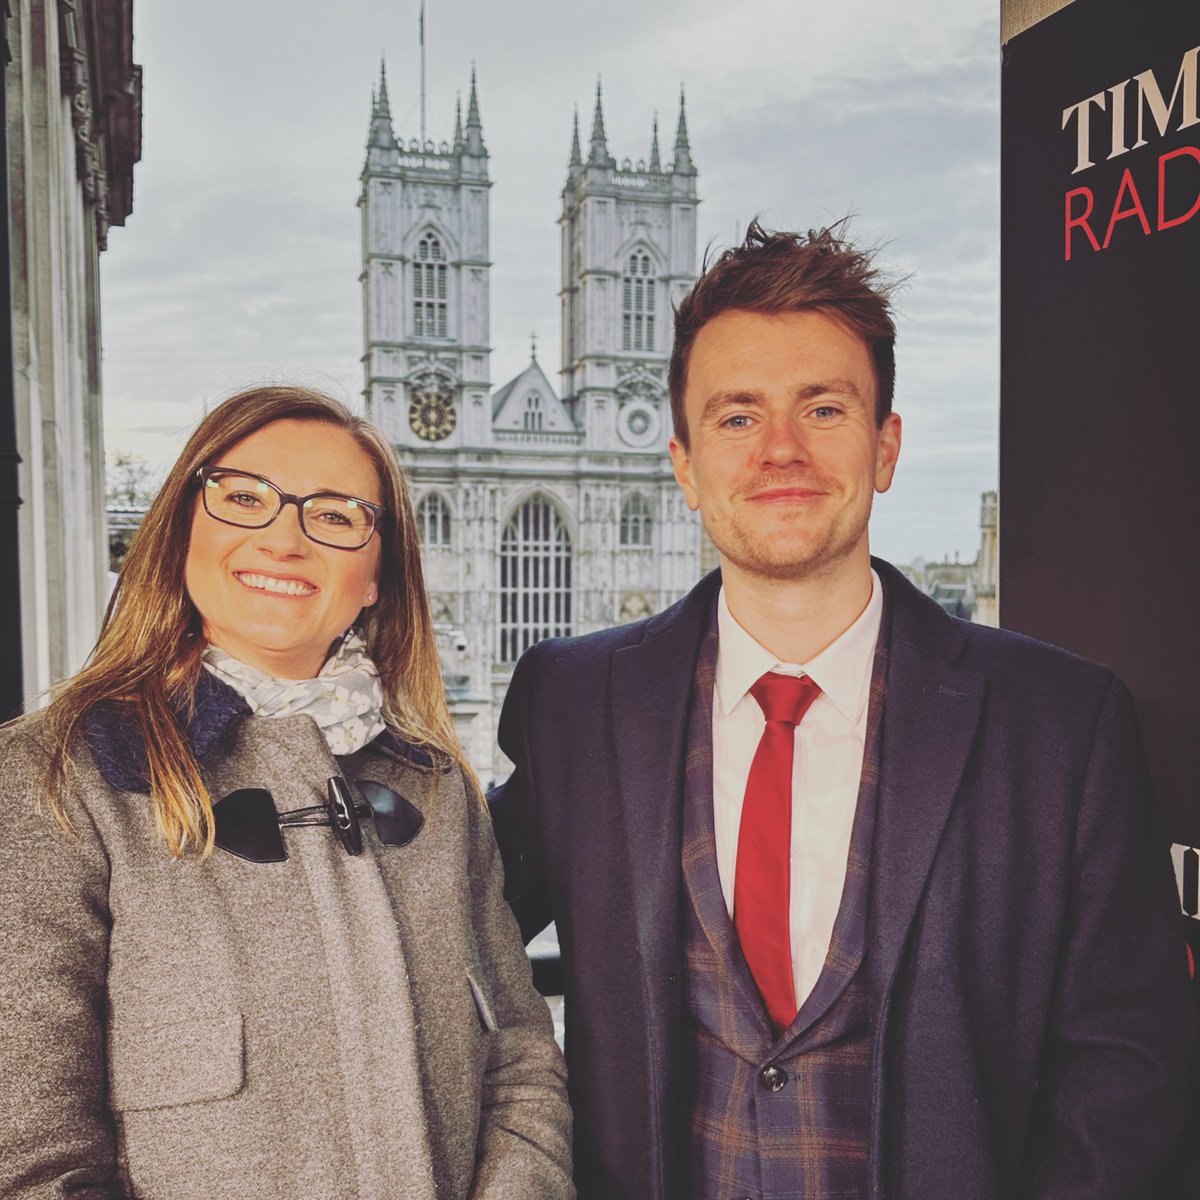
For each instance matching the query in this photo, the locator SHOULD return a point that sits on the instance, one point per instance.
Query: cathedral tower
(628, 252)
(425, 218)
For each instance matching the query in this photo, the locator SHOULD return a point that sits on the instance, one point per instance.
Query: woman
(253, 936)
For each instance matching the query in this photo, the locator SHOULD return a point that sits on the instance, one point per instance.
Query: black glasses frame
(378, 512)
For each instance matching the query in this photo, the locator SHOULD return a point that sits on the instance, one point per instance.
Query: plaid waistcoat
(808, 1139)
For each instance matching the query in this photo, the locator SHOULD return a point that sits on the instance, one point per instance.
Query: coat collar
(651, 695)
(930, 723)
(113, 735)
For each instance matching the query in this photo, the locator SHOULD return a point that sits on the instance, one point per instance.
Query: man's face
(785, 454)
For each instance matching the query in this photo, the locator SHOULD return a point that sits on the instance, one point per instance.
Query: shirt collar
(842, 670)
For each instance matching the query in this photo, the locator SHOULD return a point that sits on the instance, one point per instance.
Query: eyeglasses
(249, 825)
(253, 502)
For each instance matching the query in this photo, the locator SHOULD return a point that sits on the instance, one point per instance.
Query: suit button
(772, 1078)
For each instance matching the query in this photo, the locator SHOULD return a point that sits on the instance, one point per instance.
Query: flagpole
(422, 39)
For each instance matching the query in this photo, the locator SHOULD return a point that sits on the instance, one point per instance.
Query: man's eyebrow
(834, 387)
(719, 401)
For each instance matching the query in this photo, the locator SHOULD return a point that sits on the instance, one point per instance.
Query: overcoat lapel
(651, 692)
(929, 726)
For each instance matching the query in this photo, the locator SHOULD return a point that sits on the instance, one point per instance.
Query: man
(855, 900)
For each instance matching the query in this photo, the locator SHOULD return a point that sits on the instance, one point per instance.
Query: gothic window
(535, 578)
(429, 288)
(635, 522)
(637, 304)
(433, 520)
(533, 411)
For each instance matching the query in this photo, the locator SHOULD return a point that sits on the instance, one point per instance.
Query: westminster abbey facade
(543, 511)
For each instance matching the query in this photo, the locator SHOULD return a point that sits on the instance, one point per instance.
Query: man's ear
(681, 463)
(887, 451)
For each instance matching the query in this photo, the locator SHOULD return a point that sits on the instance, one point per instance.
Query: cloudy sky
(240, 261)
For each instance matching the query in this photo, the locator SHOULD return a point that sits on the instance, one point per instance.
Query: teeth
(284, 587)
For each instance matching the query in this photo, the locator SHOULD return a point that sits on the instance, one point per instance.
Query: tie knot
(785, 697)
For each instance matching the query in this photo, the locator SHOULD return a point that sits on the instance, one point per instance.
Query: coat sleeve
(524, 1149)
(514, 808)
(56, 1135)
(1119, 1051)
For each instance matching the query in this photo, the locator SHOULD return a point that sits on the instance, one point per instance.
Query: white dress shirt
(825, 770)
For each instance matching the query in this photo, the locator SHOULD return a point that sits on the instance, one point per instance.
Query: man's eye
(737, 421)
(827, 411)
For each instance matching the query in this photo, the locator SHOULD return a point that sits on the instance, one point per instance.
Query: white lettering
(1118, 119)
(1150, 96)
(1083, 112)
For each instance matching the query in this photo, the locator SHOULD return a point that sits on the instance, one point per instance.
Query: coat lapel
(651, 691)
(930, 722)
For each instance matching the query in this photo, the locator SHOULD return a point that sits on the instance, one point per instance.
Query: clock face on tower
(431, 416)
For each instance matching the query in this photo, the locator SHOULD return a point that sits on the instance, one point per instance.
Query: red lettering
(1082, 219)
(1136, 210)
(1163, 223)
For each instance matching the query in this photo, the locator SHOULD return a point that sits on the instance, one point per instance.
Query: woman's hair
(148, 656)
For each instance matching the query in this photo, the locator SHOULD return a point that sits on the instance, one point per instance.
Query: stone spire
(384, 107)
(598, 155)
(474, 139)
(683, 152)
(655, 160)
(459, 143)
(576, 153)
(381, 136)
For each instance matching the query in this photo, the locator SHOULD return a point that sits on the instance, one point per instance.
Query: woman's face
(272, 597)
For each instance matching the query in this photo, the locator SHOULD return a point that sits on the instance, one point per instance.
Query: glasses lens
(240, 499)
(337, 520)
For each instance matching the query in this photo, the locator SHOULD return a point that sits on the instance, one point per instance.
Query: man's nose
(784, 441)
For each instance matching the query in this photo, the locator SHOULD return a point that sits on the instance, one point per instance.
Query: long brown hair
(148, 655)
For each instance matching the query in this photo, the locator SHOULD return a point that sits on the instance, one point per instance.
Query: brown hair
(791, 272)
(148, 656)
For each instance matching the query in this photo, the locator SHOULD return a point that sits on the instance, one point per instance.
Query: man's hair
(774, 273)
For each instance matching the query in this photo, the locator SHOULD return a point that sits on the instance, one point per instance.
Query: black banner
(1100, 405)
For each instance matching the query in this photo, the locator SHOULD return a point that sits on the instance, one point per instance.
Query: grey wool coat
(320, 1028)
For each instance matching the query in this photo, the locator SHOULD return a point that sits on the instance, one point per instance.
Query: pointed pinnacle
(683, 164)
(473, 120)
(598, 153)
(681, 133)
(384, 108)
(576, 153)
(458, 131)
(655, 160)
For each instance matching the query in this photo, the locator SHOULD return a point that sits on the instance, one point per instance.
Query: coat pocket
(159, 1064)
(487, 1018)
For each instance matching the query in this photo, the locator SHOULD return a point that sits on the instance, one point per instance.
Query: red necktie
(763, 878)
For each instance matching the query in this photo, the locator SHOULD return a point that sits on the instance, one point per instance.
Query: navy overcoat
(1030, 1012)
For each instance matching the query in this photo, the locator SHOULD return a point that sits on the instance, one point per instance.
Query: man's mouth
(269, 583)
(785, 494)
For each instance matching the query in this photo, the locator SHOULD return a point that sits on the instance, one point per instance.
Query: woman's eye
(329, 516)
(243, 499)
